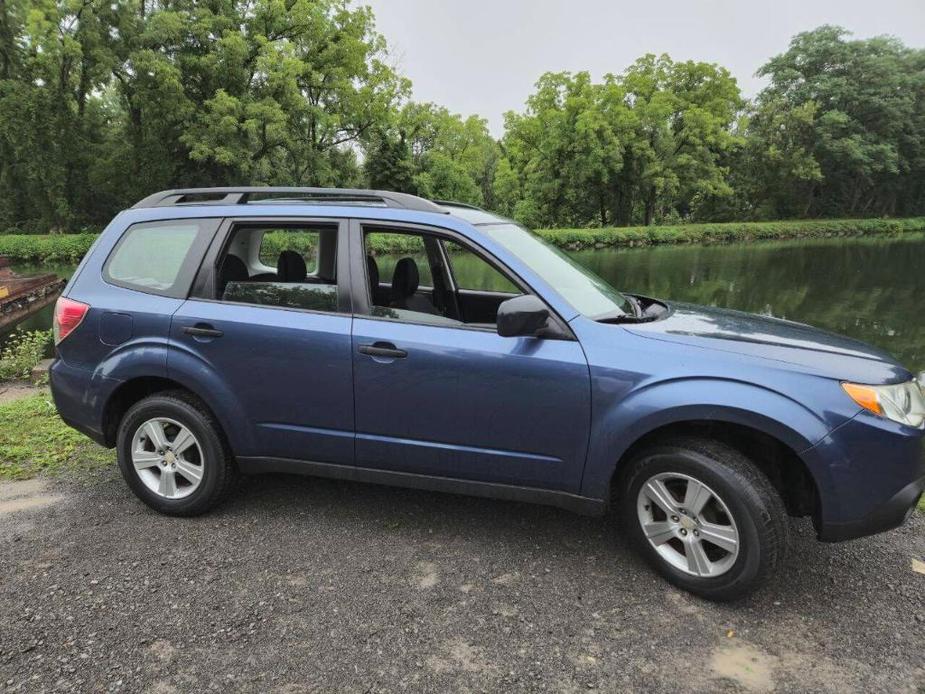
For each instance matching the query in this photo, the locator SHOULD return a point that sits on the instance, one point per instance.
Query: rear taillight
(68, 315)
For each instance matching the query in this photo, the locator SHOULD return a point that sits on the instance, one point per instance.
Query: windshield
(584, 290)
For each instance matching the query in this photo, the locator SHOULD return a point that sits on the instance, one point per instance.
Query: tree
(645, 144)
(863, 148)
(452, 158)
(388, 163)
(135, 96)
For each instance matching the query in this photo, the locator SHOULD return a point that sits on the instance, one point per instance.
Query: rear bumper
(79, 397)
(872, 475)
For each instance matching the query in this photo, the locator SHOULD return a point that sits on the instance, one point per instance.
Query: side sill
(572, 502)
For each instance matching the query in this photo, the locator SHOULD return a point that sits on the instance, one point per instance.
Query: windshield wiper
(639, 315)
(618, 316)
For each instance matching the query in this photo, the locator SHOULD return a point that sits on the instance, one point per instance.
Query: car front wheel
(705, 517)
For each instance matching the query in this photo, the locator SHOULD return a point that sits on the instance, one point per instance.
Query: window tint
(472, 272)
(151, 256)
(312, 297)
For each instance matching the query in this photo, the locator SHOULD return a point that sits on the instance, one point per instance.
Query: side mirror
(522, 316)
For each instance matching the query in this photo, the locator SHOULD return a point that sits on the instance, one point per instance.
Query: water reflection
(871, 289)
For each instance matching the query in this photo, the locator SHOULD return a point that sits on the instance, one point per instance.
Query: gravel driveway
(301, 585)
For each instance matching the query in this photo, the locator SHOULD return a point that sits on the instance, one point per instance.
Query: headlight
(903, 402)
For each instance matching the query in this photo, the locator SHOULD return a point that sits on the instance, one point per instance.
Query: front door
(439, 396)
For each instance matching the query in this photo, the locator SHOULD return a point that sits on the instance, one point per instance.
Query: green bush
(56, 248)
(22, 352)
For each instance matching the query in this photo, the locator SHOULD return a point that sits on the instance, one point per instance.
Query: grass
(922, 504)
(70, 248)
(34, 440)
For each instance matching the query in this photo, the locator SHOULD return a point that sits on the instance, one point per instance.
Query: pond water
(872, 289)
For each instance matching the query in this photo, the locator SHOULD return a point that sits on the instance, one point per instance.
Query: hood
(776, 339)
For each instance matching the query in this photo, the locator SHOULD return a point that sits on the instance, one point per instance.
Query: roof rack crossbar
(242, 195)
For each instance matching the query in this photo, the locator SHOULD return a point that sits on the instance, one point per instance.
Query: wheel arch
(779, 462)
(136, 389)
(761, 423)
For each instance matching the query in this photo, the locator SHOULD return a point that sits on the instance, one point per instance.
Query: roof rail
(454, 203)
(242, 195)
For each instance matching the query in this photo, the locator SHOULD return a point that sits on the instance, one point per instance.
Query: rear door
(280, 344)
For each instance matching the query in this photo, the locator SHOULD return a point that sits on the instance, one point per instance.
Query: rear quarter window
(159, 257)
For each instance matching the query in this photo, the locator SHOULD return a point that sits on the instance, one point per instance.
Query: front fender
(618, 424)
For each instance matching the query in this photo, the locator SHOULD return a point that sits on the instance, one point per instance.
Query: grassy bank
(730, 232)
(34, 248)
(34, 440)
(70, 248)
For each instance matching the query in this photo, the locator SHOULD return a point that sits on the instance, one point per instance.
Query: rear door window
(159, 257)
(292, 267)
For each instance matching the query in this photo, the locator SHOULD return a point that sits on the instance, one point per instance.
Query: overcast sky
(483, 56)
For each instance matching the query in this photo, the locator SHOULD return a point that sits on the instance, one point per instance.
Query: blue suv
(215, 332)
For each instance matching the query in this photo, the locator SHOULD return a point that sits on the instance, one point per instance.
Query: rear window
(158, 257)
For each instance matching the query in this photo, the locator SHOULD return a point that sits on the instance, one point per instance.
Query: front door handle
(200, 330)
(383, 349)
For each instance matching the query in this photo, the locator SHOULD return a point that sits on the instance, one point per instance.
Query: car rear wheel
(173, 456)
(705, 517)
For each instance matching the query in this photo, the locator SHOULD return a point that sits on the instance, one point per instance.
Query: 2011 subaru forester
(212, 332)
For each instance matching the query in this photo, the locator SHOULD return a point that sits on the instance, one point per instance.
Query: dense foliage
(22, 353)
(103, 102)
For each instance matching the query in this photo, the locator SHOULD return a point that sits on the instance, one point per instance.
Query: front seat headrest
(372, 273)
(232, 269)
(405, 279)
(290, 267)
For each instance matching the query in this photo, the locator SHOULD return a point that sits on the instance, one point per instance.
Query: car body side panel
(471, 404)
(284, 376)
(640, 385)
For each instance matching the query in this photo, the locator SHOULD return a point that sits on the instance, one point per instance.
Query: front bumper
(891, 514)
(870, 473)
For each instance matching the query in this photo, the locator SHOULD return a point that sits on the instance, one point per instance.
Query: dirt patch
(25, 496)
(746, 666)
(427, 575)
(16, 390)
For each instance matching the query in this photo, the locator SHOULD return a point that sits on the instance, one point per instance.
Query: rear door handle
(383, 349)
(202, 331)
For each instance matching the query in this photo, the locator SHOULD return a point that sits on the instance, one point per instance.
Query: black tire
(754, 504)
(219, 470)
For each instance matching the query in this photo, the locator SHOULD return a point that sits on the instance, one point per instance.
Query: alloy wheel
(688, 524)
(167, 458)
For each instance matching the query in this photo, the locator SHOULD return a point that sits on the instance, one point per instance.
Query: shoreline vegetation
(70, 248)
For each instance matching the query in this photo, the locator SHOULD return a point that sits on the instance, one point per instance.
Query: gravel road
(300, 585)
